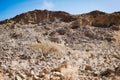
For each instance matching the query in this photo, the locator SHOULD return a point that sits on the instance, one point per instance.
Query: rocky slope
(102, 19)
(55, 45)
(38, 16)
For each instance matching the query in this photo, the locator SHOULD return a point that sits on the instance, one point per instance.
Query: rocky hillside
(102, 19)
(38, 16)
(94, 18)
(55, 45)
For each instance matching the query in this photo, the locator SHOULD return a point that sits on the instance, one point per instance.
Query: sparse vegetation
(48, 47)
(115, 27)
(117, 36)
(116, 55)
(70, 73)
(76, 24)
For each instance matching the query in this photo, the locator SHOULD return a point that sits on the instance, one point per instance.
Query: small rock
(41, 75)
(18, 78)
(106, 73)
(46, 71)
(117, 71)
(58, 69)
(24, 57)
(87, 67)
(94, 74)
(56, 76)
(61, 31)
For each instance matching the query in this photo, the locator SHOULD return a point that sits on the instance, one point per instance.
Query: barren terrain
(55, 45)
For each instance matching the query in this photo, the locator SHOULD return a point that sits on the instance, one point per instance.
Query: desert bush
(70, 73)
(115, 27)
(48, 47)
(116, 36)
(117, 55)
(16, 35)
(76, 24)
(61, 31)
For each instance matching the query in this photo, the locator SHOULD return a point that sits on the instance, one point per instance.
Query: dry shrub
(117, 36)
(70, 73)
(48, 47)
(76, 24)
(117, 55)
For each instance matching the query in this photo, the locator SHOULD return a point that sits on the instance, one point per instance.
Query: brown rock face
(94, 18)
(101, 19)
(37, 16)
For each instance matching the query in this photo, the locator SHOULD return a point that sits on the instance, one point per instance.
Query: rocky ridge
(38, 16)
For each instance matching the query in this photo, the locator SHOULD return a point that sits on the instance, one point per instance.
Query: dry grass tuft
(48, 47)
(117, 36)
(70, 73)
(116, 55)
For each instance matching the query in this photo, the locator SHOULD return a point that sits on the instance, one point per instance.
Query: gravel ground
(56, 51)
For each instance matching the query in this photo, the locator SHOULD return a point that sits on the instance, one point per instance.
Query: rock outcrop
(102, 19)
(94, 18)
(38, 16)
